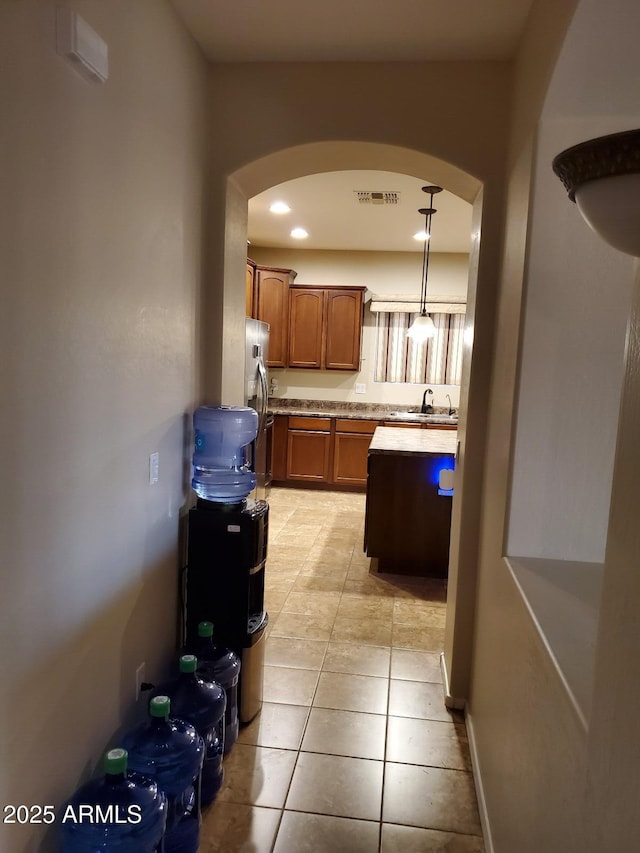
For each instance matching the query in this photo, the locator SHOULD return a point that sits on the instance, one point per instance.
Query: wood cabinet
(321, 450)
(350, 450)
(271, 305)
(249, 286)
(308, 449)
(279, 449)
(325, 327)
(410, 533)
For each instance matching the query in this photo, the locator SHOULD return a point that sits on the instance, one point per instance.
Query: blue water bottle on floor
(201, 703)
(170, 750)
(122, 811)
(216, 663)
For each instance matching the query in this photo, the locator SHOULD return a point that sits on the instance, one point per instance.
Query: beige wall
(550, 779)
(102, 198)
(275, 122)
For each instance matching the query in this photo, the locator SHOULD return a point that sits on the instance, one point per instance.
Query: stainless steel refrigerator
(257, 396)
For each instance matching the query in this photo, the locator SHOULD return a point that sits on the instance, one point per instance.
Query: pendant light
(423, 326)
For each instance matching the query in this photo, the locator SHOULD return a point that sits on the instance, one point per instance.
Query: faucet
(452, 411)
(425, 408)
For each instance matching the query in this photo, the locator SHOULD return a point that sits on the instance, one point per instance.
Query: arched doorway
(301, 160)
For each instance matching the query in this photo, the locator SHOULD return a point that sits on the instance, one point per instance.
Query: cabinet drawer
(350, 425)
(315, 424)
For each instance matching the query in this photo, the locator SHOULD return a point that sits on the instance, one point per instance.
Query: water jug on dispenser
(121, 811)
(220, 470)
(217, 663)
(171, 751)
(201, 703)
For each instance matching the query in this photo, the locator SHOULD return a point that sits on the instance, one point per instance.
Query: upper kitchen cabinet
(250, 286)
(325, 327)
(271, 305)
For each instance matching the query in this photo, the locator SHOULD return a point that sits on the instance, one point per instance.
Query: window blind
(436, 361)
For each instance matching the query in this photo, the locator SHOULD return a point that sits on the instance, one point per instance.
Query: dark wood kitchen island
(408, 514)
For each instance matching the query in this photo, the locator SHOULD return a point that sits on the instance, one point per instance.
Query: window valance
(411, 304)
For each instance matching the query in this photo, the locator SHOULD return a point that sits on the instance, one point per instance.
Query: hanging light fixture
(423, 326)
(603, 177)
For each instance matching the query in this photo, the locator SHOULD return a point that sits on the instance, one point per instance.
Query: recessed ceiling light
(421, 236)
(299, 233)
(279, 207)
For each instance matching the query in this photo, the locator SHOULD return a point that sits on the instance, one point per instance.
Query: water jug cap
(115, 761)
(188, 663)
(205, 629)
(159, 706)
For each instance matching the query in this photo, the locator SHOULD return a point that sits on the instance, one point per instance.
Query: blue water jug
(170, 750)
(216, 663)
(122, 811)
(202, 703)
(220, 470)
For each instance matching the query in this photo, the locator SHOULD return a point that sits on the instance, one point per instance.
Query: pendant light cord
(428, 214)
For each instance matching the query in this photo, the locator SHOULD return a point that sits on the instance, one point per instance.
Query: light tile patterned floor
(353, 751)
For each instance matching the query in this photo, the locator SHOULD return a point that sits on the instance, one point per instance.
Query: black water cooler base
(227, 549)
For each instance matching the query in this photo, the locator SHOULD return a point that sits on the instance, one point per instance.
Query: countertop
(413, 442)
(359, 411)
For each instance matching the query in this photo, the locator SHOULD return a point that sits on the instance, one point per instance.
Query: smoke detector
(371, 197)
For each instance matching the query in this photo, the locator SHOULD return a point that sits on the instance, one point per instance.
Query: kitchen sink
(409, 416)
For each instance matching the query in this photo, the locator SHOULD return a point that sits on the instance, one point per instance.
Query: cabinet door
(350, 454)
(343, 329)
(279, 453)
(308, 455)
(350, 450)
(306, 306)
(251, 273)
(272, 297)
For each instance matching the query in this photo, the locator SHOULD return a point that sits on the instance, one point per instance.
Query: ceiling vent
(369, 197)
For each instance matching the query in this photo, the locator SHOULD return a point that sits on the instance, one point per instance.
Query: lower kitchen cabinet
(279, 448)
(324, 451)
(407, 523)
(350, 451)
(308, 449)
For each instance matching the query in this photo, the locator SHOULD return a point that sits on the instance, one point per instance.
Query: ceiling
(327, 207)
(356, 31)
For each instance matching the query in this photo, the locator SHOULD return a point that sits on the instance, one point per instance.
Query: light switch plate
(361, 388)
(154, 468)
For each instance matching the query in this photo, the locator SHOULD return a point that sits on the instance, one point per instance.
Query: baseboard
(477, 778)
(453, 703)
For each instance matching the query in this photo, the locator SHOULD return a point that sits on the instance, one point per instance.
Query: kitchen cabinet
(308, 449)
(279, 448)
(329, 451)
(249, 287)
(325, 327)
(407, 519)
(350, 451)
(271, 305)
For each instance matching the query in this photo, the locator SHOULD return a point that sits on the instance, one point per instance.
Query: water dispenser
(220, 470)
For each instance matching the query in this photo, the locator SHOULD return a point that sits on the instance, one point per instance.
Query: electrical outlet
(360, 388)
(139, 679)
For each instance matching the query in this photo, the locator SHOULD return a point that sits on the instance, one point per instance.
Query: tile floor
(353, 751)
